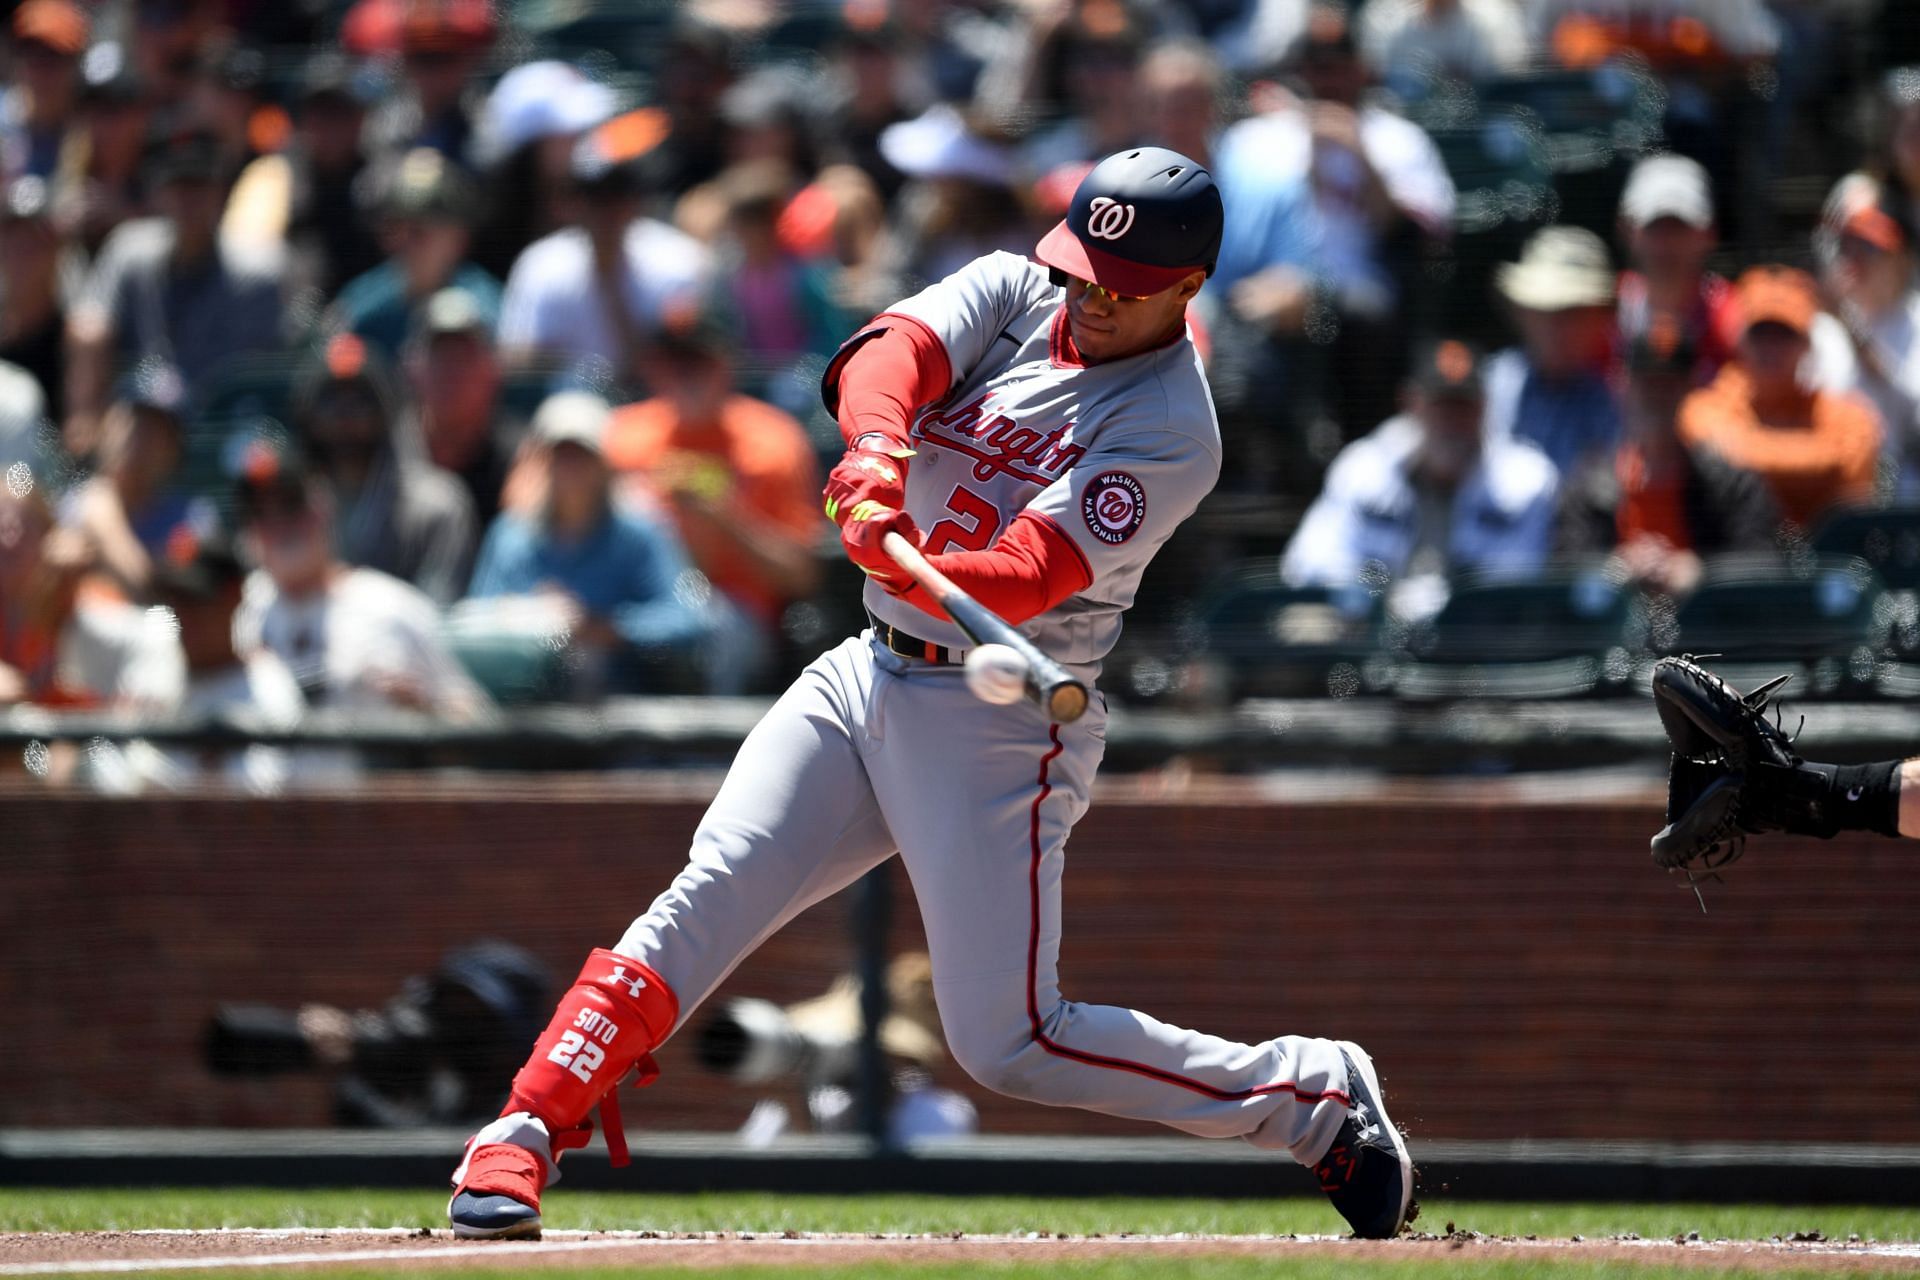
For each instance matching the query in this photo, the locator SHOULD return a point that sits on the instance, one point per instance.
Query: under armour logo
(1108, 219)
(633, 985)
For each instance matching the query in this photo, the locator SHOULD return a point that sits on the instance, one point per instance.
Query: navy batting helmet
(1140, 222)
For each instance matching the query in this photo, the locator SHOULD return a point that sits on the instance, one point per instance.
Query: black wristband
(1863, 797)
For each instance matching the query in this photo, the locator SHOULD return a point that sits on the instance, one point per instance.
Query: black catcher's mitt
(1734, 772)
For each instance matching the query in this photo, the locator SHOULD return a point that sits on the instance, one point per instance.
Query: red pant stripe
(1097, 1060)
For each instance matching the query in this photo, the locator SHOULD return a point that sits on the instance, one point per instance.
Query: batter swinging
(1040, 433)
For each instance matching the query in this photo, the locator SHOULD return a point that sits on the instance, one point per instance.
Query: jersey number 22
(977, 536)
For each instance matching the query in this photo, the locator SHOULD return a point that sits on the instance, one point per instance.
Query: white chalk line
(107, 1266)
(567, 1242)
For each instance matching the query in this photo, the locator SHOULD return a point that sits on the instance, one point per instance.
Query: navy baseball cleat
(497, 1193)
(1367, 1172)
(475, 1216)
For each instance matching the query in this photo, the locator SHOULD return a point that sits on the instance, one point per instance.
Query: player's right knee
(1014, 1067)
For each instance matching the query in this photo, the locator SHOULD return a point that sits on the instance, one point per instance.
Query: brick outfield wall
(1517, 972)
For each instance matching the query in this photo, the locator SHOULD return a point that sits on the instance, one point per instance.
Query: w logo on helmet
(1108, 219)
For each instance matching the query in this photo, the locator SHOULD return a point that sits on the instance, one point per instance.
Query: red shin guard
(609, 1022)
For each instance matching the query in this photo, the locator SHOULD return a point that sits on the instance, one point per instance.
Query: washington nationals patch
(1114, 504)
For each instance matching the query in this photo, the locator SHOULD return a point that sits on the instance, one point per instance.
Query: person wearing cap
(33, 319)
(1658, 509)
(768, 115)
(1429, 495)
(1553, 389)
(523, 149)
(426, 219)
(166, 287)
(736, 474)
(1815, 449)
(442, 45)
(98, 183)
(131, 508)
(1868, 264)
(35, 114)
(228, 96)
(1321, 186)
(305, 194)
(596, 292)
(1890, 172)
(1667, 226)
(960, 201)
(620, 579)
(199, 579)
(455, 409)
(1037, 431)
(354, 639)
(396, 512)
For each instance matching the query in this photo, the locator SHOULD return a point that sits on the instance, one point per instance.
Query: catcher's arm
(1735, 773)
(1908, 781)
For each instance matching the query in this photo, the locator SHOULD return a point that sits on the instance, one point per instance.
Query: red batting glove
(874, 470)
(865, 528)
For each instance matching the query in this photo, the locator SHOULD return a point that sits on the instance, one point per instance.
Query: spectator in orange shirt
(737, 475)
(1814, 449)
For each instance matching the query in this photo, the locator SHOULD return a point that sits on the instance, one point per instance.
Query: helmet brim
(1062, 249)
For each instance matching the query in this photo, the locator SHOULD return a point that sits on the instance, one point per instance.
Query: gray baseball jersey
(1116, 455)
(869, 753)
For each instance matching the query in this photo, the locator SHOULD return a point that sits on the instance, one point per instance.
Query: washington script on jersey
(999, 445)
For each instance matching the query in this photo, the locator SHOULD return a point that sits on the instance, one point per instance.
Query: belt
(912, 646)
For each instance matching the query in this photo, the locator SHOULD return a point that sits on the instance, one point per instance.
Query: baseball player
(1735, 774)
(1039, 430)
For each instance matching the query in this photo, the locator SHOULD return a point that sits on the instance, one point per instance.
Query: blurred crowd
(431, 354)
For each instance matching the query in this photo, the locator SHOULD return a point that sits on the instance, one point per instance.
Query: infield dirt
(401, 1250)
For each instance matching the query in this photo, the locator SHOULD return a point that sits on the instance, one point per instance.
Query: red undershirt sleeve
(883, 376)
(1032, 567)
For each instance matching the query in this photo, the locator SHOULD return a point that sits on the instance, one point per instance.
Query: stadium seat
(1888, 538)
(1500, 170)
(1503, 192)
(1828, 623)
(1587, 127)
(1567, 634)
(1274, 640)
(631, 33)
(1591, 117)
(510, 649)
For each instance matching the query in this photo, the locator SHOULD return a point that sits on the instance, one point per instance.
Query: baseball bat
(1058, 694)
